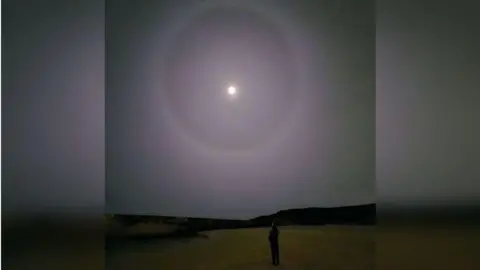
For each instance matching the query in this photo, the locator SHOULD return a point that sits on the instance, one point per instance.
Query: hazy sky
(178, 159)
(53, 106)
(300, 131)
(427, 112)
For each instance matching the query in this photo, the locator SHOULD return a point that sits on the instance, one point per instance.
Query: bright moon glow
(232, 90)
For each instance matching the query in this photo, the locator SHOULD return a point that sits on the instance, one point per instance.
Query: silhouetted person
(274, 249)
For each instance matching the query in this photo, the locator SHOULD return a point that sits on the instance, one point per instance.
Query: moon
(232, 90)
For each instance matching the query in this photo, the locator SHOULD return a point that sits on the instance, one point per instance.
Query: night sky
(335, 106)
(427, 112)
(53, 79)
(299, 131)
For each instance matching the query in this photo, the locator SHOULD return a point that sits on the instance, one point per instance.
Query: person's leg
(272, 251)
(275, 254)
(278, 254)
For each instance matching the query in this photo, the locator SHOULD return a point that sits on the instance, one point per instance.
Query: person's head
(274, 222)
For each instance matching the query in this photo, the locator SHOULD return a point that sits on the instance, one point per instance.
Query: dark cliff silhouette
(348, 215)
(353, 215)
